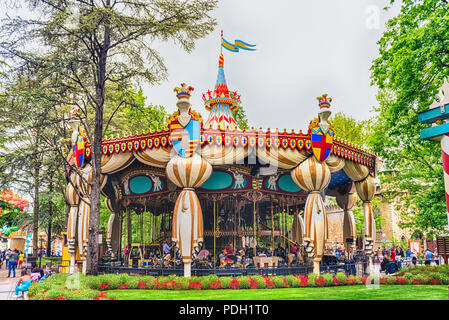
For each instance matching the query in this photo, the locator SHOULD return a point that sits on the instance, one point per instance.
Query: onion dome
(221, 102)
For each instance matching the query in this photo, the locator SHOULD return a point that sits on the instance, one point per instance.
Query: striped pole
(445, 156)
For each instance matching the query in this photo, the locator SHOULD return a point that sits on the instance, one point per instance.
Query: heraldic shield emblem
(185, 139)
(79, 150)
(321, 143)
(322, 130)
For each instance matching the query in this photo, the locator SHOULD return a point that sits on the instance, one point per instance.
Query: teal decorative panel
(217, 181)
(140, 184)
(286, 183)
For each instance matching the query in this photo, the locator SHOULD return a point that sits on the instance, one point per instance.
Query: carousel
(206, 184)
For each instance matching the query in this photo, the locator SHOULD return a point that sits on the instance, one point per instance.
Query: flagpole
(221, 47)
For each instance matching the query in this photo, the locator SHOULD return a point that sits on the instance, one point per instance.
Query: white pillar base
(72, 264)
(187, 269)
(316, 266)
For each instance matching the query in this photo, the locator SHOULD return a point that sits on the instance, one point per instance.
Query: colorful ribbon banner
(238, 44)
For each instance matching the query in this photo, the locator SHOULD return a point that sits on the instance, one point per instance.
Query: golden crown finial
(183, 91)
(324, 101)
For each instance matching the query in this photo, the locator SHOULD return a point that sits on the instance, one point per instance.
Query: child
(21, 257)
(35, 275)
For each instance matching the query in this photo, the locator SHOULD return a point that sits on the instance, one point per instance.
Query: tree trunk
(50, 218)
(36, 210)
(94, 221)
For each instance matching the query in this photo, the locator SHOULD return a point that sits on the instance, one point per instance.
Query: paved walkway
(7, 285)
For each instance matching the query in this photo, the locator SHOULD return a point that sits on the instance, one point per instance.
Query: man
(7, 256)
(408, 253)
(13, 262)
(427, 256)
(166, 248)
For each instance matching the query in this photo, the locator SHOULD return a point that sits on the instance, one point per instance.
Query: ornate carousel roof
(222, 144)
(220, 130)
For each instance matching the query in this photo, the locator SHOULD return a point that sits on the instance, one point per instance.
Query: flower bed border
(96, 287)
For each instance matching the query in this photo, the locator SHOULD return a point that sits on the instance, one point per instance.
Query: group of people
(12, 259)
(26, 279)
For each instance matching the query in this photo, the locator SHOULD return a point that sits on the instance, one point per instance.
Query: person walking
(427, 257)
(13, 263)
(7, 256)
(21, 258)
(435, 257)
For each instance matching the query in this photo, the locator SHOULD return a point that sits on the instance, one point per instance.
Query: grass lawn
(360, 292)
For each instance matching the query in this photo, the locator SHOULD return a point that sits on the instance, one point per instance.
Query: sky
(304, 49)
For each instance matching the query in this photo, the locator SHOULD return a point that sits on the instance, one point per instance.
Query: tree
(413, 62)
(110, 41)
(239, 115)
(348, 128)
(358, 132)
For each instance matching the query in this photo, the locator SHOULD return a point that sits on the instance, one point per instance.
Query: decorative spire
(221, 93)
(220, 61)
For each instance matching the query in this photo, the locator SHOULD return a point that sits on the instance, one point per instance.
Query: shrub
(341, 277)
(243, 282)
(260, 281)
(225, 281)
(279, 282)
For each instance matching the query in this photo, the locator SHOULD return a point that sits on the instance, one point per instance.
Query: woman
(23, 283)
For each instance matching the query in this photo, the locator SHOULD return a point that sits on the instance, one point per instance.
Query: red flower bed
(122, 286)
(270, 284)
(234, 284)
(195, 285)
(215, 285)
(434, 281)
(336, 282)
(319, 281)
(105, 286)
(253, 284)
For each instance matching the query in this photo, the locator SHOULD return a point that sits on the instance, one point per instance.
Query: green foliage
(413, 62)
(239, 115)
(348, 128)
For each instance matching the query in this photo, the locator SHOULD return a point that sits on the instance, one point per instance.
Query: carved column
(313, 176)
(73, 200)
(347, 201)
(187, 230)
(366, 190)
